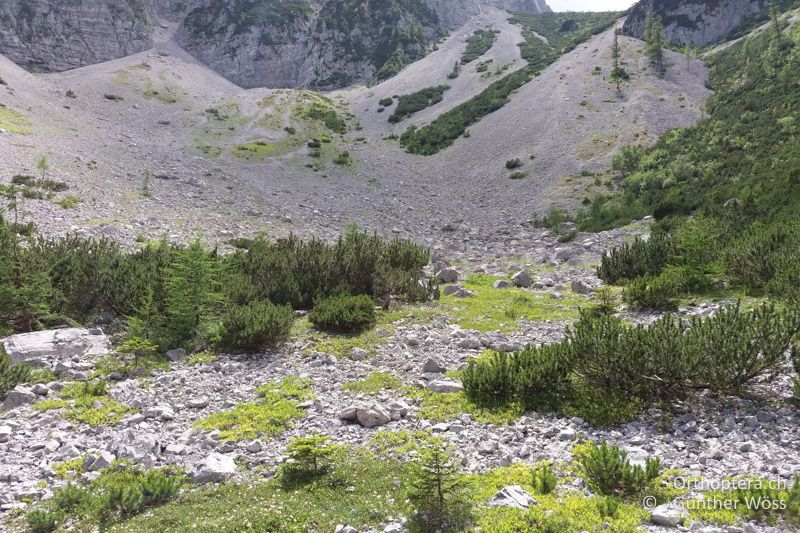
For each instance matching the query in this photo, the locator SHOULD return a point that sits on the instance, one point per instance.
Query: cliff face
(48, 35)
(322, 44)
(696, 22)
(530, 6)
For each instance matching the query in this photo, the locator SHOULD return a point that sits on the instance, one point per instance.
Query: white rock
(57, 344)
(197, 403)
(373, 416)
(512, 496)
(668, 515)
(214, 468)
(444, 385)
(254, 446)
(176, 355)
(5, 433)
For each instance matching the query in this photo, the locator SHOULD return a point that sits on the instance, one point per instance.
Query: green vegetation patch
(387, 322)
(480, 42)
(408, 104)
(14, 121)
(120, 492)
(373, 384)
(448, 406)
(452, 124)
(499, 309)
(87, 403)
(270, 415)
(357, 487)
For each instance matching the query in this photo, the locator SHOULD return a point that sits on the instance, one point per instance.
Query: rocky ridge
(695, 23)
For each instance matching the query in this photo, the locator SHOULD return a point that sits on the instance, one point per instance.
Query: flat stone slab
(56, 344)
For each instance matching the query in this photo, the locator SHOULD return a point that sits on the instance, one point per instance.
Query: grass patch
(373, 384)
(387, 323)
(499, 309)
(444, 407)
(402, 443)
(14, 121)
(201, 358)
(68, 202)
(270, 415)
(358, 488)
(255, 150)
(68, 469)
(87, 403)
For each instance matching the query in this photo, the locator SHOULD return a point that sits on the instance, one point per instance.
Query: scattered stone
(501, 284)
(358, 354)
(448, 275)
(522, 279)
(19, 395)
(581, 287)
(512, 496)
(5, 433)
(98, 461)
(197, 403)
(433, 366)
(565, 228)
(668, 515)
(444, 385)
(176, 355)
(215, 468)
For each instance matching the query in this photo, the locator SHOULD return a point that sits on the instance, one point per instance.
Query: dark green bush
(254, 326)
(639, 258)
(647, 292)
(511, 164)
(11, 375)
(408, 104)
(343, 314)
(478, 44)
(608, 471)
(43, 521)
(386, 102)
(543, 479)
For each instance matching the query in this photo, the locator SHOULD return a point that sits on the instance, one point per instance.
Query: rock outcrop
(320, 44)
(46, 36)
(693, 22)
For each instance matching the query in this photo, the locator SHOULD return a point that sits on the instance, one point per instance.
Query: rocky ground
(712, 437)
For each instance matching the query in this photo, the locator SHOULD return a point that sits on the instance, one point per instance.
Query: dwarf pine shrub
(343, 314)
(607, 471)
(639, 258)
(252, 327)
(11, 375)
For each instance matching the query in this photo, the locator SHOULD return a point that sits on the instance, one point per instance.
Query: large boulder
(56, 345)
(372, 416)
(19, 395)
(522, 279)
(447, 275)
(214, 469)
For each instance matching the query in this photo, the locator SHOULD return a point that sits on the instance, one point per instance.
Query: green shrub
(511, 164)
(437, 490)
(11, 375)
(120, 491)
(343, 314)
(310, 453)
(544, 480)
(408, 104)
(607, 471)
(738, 346)
(478, 44)
(639, 258)
(386, 102)
(648, 292)
(40, 521)
(254, 326)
